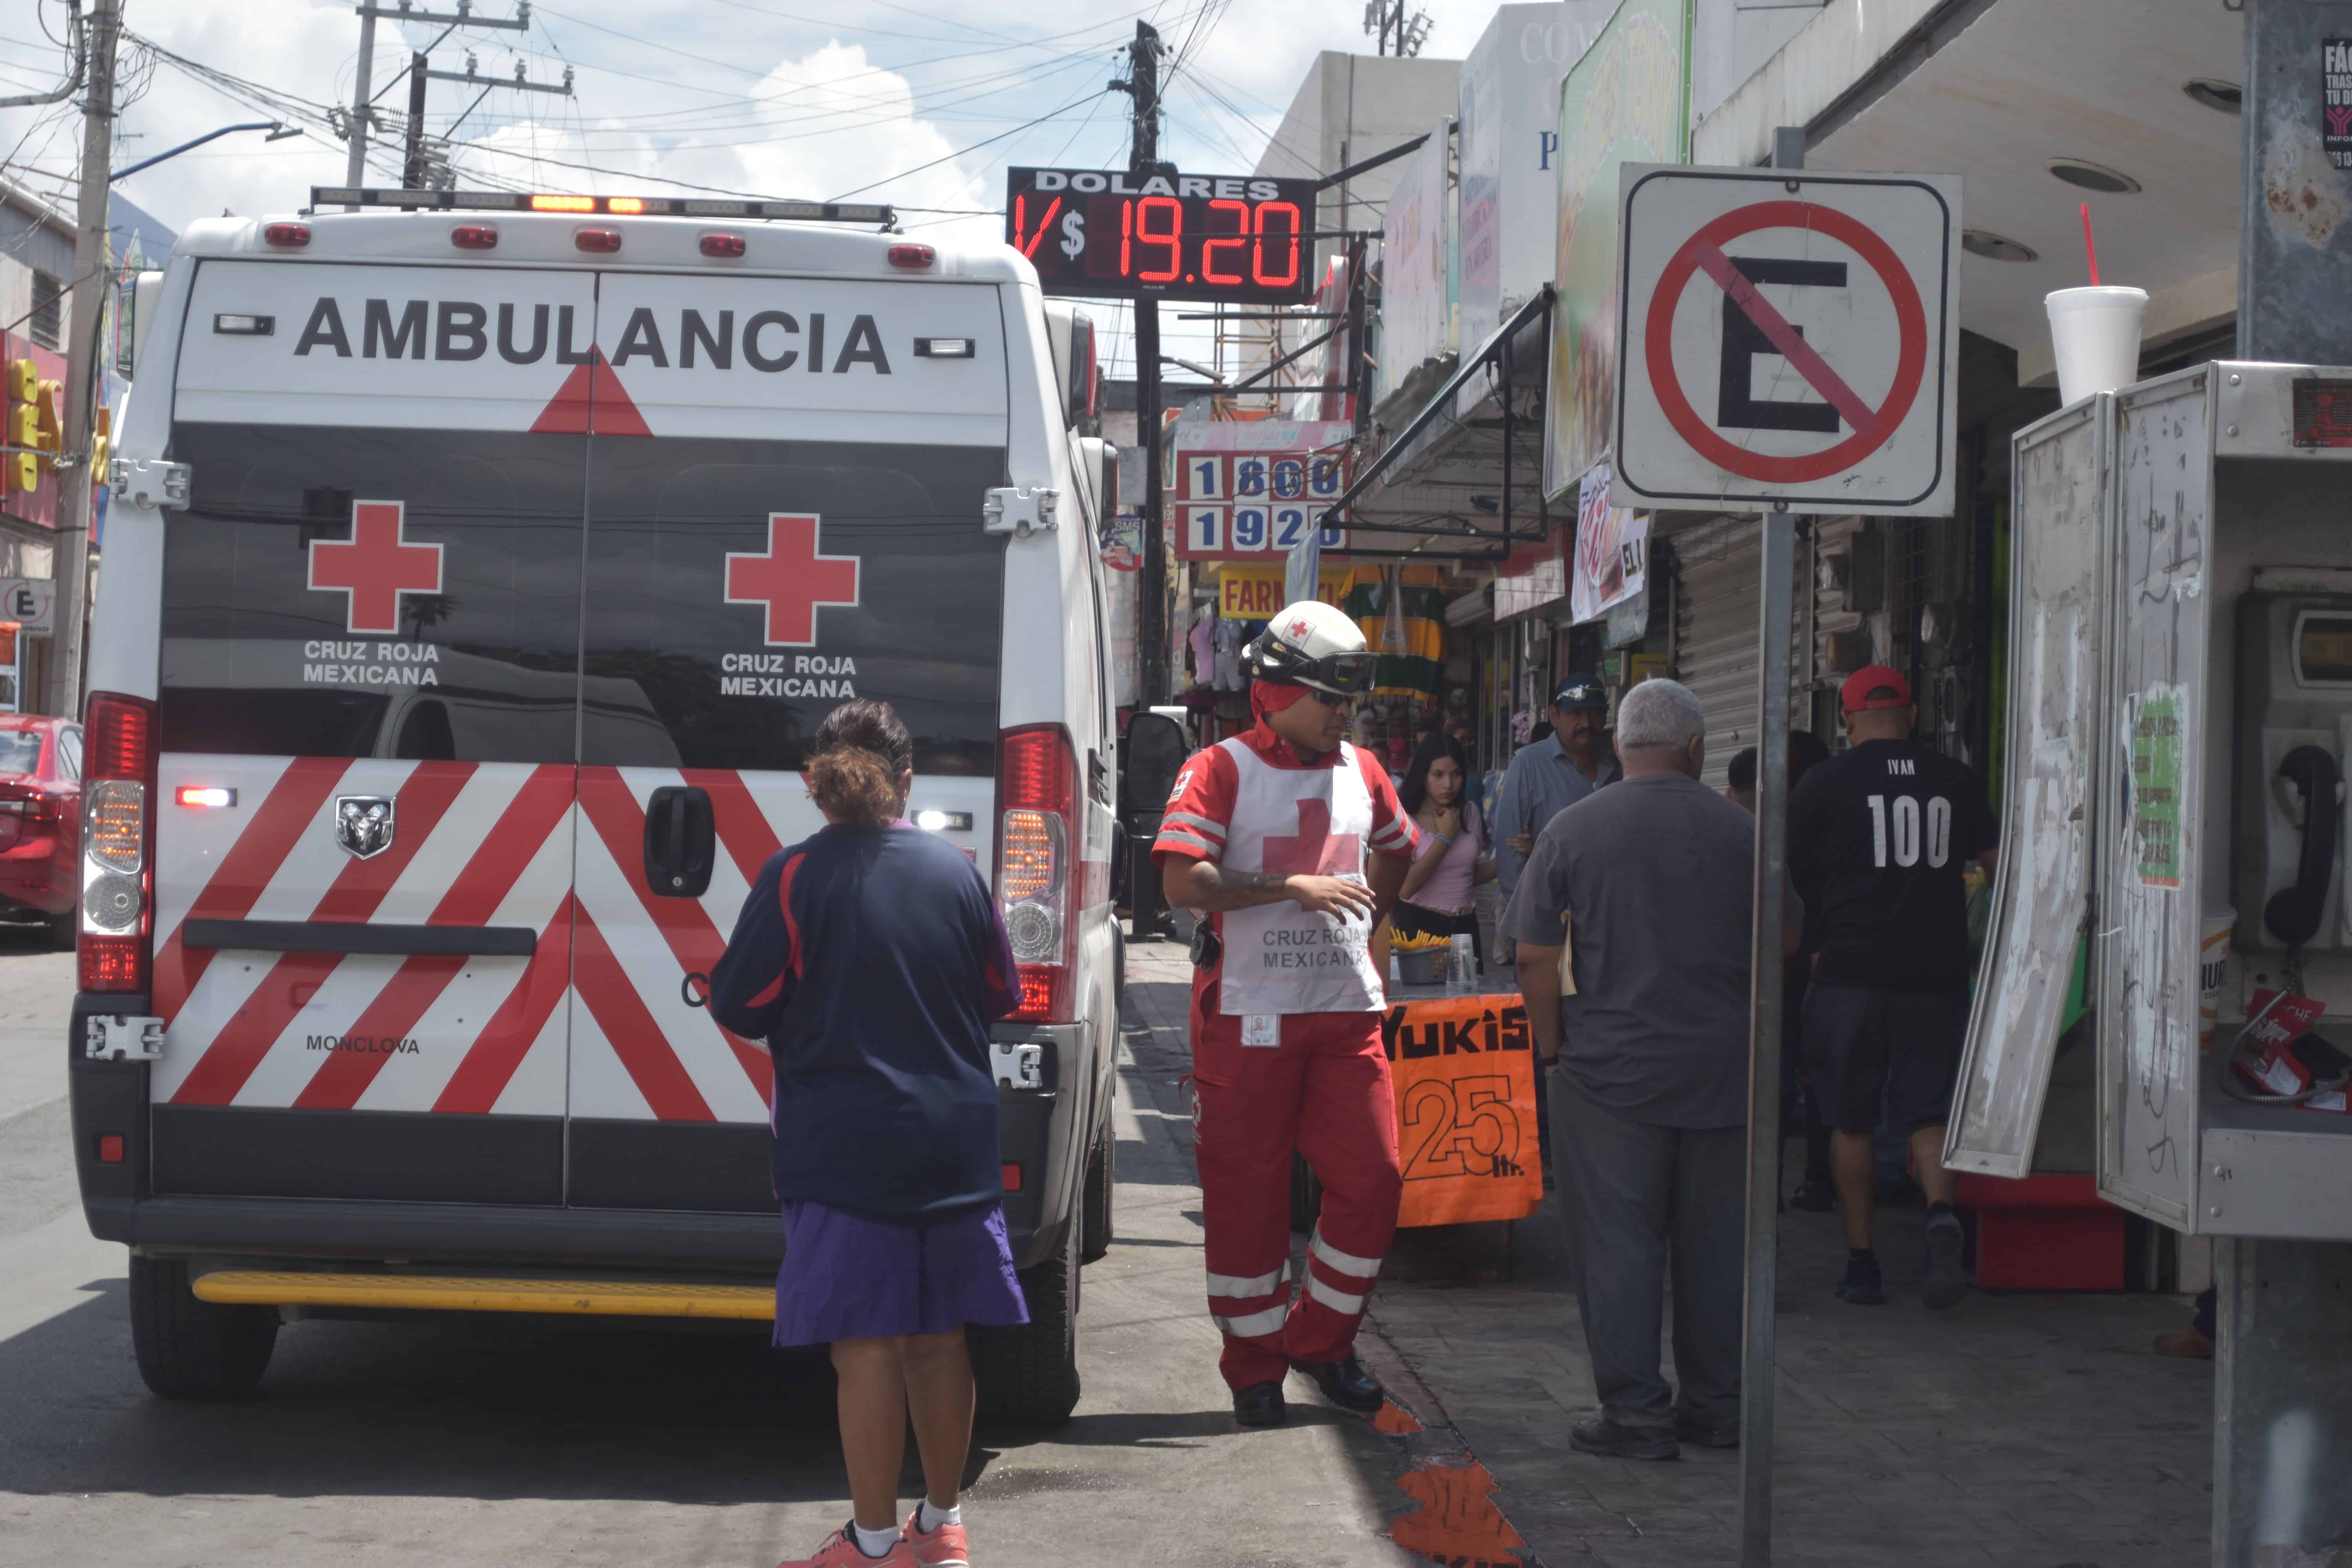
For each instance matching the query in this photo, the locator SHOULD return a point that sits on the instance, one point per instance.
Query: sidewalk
(2015, 1429)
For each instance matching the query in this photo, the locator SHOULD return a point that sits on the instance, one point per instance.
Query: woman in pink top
(1452, 857)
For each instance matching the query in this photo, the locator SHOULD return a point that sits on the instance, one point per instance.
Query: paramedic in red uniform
(1296, 845)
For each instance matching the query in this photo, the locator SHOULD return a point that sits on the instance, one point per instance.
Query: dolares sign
(1787, 337)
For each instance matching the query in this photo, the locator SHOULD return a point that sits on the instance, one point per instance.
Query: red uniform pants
(1323, 1091)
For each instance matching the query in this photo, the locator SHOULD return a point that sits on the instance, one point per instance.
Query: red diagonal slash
(1857, 414)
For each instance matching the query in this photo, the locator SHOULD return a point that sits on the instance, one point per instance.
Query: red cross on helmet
(1311, 644)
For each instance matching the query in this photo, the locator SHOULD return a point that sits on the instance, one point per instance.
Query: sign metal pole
(1774, 627)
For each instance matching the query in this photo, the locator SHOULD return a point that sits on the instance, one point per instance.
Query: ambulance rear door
(786, 513)
(367, 721)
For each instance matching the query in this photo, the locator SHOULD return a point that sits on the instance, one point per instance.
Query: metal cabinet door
(2058, 552)
(2151, 797)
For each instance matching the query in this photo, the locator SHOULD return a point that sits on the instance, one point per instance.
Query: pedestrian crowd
(872, 959)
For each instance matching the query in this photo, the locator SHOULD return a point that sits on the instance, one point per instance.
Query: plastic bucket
(2094, 333)
(2212, 966)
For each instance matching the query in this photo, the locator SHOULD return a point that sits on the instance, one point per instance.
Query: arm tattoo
(1228, 888)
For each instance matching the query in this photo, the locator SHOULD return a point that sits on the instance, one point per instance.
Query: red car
(40, 823)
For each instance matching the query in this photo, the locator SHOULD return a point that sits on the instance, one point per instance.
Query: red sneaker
(942, 1548)
(840, 1550)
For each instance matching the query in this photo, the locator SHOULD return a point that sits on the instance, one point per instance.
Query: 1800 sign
(1109, 233)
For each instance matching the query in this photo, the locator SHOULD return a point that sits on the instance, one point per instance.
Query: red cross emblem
(791, 579)
(1316, 851)
(375, 566)
(1302, 628)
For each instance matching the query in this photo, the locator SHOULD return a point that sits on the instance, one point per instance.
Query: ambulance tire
(1028, 1376)
(1306, 1195)
(1095, 1212)
(189, 1349)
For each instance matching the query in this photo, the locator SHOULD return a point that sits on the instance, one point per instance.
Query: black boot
(1260, 1405)
(1346, 1383)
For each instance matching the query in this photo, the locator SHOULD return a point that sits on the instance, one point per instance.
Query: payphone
(2180, 726)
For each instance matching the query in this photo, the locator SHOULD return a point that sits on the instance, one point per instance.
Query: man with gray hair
(1648, 889)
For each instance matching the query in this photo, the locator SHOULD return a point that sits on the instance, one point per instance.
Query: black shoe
(1946, 1282)
(1698, 1432)
(1596, 1435)
(1862, 1285)
(1260, 1405)
(1346, 1383)
(1814, 1194)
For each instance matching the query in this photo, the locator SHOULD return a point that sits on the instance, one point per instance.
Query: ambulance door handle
(680, 842)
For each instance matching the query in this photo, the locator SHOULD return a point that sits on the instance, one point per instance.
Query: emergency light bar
(880, 213)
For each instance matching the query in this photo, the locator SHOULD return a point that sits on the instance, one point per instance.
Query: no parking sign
(1787, 337)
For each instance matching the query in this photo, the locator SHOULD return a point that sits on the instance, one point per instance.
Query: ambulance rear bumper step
(462, 1293)
(352, 936)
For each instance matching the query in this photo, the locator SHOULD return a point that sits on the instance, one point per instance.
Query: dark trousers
(1643, 1206)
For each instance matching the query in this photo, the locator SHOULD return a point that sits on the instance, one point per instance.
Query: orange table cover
(1463, 1072)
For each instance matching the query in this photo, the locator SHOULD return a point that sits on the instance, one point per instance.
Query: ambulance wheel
(1028, 1376)
(1306, 1195)
(189, 1349)
(1101, 1173)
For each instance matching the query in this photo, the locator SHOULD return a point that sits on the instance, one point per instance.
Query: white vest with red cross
(1279, 958)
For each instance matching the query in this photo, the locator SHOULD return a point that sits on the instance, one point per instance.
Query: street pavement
(2034, 1430)
(521, 1442)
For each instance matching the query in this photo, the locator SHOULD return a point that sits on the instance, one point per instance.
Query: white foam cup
(2094, 333)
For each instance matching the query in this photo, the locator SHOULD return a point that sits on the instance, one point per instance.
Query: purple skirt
(849, 1278)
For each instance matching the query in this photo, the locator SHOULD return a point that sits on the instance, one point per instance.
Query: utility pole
(363, 107)
(1143, 157)
(412, 175)
(355, 166)
(85, 315)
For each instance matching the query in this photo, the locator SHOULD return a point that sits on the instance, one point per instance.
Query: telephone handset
(2293, 913)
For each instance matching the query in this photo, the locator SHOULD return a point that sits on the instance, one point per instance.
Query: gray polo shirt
(1654, 874)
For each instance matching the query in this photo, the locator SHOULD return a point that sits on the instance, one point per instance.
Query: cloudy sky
(918, 104)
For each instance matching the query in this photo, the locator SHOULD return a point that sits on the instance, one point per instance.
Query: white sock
(874, 1542)
(928, 1518)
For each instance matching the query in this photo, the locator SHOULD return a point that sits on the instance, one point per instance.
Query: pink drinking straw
(2090, 246)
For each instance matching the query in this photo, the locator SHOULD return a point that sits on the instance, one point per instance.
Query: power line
(960, 152)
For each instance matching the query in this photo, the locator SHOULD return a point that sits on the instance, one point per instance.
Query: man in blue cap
(1555, 773)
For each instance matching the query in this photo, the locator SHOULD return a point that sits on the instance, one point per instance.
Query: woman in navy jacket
(872, 960)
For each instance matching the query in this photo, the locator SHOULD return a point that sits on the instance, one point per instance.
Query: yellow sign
(1462, 1070)
(1255, 593)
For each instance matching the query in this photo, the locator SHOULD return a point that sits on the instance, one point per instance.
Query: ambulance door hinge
(148, 482)
(1018, 1064)
(1021, 511)
(121, 1038)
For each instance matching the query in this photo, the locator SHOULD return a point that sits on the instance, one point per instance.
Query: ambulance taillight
(1037, 794)
(117, 835)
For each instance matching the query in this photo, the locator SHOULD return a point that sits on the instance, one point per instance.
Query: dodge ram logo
(363, 824)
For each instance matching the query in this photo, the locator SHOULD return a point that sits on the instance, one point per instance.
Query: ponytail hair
(861, 751)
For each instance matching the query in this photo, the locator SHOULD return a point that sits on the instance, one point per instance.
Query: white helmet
(1311, 644)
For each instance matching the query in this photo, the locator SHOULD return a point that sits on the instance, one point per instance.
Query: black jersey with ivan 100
(1879, 839)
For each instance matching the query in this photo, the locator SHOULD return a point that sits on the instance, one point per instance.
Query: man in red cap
(1296, 844)
(1879, 841)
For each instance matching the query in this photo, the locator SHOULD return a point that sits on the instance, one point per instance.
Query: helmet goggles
(1341, 674)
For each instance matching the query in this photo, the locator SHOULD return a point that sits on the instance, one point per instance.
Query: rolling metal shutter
(1716, 567)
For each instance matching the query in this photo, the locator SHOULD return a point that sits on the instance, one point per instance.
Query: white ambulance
(477, 574)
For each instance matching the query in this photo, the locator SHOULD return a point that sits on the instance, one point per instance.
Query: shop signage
(1249, 491)
(1462, 1071)
(1416, 272)
(1626, 101)
(1111, 233)
(1251, 593)
(30, 604)
(1790, 341)
(1612, 551)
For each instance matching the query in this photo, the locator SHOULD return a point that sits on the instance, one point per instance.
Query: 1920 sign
(1101, 233)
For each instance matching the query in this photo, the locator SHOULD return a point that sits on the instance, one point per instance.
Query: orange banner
(1464, 1073)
